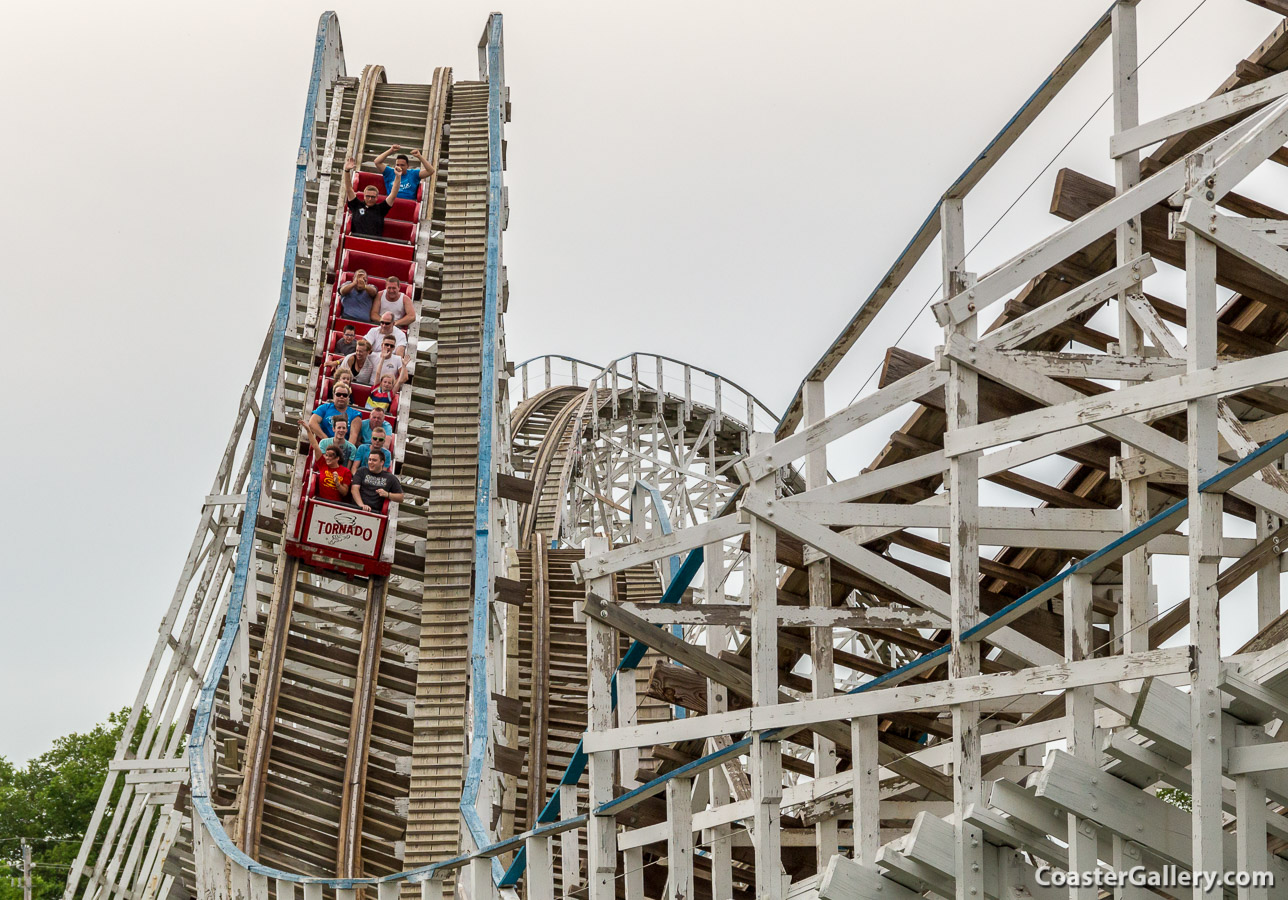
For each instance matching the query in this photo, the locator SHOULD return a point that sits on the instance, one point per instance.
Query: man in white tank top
(392, 300)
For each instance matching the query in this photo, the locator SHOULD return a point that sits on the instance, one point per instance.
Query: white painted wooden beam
(1228, 233)
(1129, 401)
(856, 415)
(679, 541)
(1222, 106)
(1069, 304)
(904, 697)
(1259, 137)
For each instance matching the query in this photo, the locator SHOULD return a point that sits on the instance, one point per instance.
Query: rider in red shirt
(334, 478)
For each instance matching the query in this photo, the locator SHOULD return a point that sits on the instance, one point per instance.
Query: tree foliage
(50, 801)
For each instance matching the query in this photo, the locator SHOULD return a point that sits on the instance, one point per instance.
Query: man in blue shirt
(378, 442)
(407, 177)
(338, 405)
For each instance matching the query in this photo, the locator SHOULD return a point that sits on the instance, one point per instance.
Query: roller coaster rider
(368, 214)
(407, 179)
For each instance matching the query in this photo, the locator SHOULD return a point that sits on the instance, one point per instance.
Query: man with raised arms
(400, 173)
(366, 215)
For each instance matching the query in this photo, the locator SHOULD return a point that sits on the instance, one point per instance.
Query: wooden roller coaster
(629, 634)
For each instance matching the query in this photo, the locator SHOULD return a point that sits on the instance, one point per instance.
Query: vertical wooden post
(1250, 807)
(1080, 710)
(539, 698)
(1137, 603)
(720, 838)
(601, 660)
(285, 889)
(766, 755)
(1268, 598)
(481, 884)
(633, 862)
(1205, 538)
(569, 851)
(679, 843)
(431, 888)
(821, 657)
(963, 526)
(628, 759)
(867, 789)
(539, 874)
(312, 891)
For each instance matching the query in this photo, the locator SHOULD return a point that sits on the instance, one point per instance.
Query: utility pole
(26, 870)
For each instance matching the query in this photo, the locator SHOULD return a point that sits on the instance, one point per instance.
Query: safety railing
(542, 372)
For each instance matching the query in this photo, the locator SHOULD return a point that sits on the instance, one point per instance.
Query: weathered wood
(512, 487)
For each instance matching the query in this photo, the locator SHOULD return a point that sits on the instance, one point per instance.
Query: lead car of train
(334, 536)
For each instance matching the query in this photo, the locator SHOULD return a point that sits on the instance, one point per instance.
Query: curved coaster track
(628, 633)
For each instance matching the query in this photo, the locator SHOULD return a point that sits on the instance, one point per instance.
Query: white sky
(719, 182)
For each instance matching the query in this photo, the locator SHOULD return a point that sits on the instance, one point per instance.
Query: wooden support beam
(929, 229)
(264, 711)
(1205, 383)
(538, 707)
(679, 844)
(353, 790)
(1222, 106)
(904, 698)
(601, 660)
(1205, 533)
(766, 762)
(1076, 194)
(739, 616)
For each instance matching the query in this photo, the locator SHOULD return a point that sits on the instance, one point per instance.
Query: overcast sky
(719, 182)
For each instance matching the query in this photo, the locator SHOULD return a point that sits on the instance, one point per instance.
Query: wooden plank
(1208, 382)
(513, 487)
(904, 698)
(1222, 106)
(353, 789)
(735, 615)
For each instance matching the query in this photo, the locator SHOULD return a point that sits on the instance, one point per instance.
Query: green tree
(49, 802)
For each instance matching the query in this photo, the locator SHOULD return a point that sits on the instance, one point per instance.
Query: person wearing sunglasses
(338, 405)
(379, 441)
(377, 419)
(387, 329)
(390, 363)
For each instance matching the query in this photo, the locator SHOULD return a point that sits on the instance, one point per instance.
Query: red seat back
(377, 266)
(404, 252)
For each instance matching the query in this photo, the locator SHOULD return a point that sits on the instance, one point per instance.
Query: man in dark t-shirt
(367, 214)
(373, 484)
